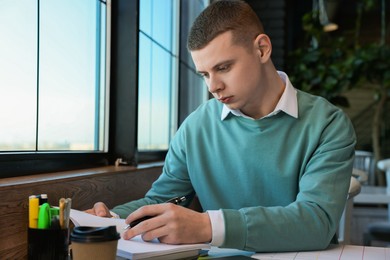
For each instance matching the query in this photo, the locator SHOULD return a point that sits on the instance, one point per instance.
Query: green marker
(44, 216)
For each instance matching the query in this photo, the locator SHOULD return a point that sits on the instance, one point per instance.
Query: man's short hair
(222, 16)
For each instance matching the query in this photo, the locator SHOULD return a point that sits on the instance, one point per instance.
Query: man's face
(232, 72)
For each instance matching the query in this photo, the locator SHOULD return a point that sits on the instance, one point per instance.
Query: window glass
(192, 87)
(68, 75)
(18, 68)
(156, 21)
(53, 94)
(157, 73)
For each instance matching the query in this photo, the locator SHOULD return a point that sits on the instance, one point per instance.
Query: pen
(176, 200)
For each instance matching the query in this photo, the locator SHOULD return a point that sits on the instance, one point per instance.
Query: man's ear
(263, 47)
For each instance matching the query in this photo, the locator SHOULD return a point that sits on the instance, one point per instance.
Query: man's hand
(99, 209)
(171, 224)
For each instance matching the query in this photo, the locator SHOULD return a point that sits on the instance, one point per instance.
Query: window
(83, 88)
(53, 84)
(163, 102)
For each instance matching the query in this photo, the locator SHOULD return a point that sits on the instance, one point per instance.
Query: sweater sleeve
(311, 221)
(124, 210)
(173, 181)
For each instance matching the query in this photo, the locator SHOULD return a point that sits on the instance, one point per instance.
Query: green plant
(328, 66)
(371, 62)
(324, 65)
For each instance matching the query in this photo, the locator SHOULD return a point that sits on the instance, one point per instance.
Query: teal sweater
(282, 182)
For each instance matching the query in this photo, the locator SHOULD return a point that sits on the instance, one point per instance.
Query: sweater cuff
(235, 229)
(217, 227)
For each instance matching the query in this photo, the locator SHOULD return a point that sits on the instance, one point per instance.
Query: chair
(379, 231)
(384, 165)
(345, 221)
(362, 170)
(364, 161)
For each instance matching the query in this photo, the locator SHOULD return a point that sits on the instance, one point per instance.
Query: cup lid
(84, 234)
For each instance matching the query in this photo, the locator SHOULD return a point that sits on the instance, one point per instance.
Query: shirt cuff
(217, 227)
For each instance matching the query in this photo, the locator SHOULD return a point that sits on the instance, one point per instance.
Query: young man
(271, 165)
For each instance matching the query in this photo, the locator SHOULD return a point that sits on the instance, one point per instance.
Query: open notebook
(136, 248)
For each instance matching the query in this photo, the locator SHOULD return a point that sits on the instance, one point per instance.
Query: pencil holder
(48, 244)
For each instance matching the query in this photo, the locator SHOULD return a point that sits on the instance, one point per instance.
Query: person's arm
(173, 182)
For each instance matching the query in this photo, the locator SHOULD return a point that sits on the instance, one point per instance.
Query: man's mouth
(225, 99)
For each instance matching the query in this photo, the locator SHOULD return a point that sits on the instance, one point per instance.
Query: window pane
(156, 18)
(154, 96)
(18, 80)
(68, 75)
(157, 73)
(192, 87)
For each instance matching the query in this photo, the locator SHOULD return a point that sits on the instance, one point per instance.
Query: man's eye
(223, 68)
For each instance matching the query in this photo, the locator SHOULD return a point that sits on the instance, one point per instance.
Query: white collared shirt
(288, 103)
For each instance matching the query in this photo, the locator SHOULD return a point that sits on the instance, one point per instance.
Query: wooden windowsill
(74, 174)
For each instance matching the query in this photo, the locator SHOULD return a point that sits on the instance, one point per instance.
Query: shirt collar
(288, 102)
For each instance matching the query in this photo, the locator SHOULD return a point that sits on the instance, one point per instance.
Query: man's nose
(215, 85)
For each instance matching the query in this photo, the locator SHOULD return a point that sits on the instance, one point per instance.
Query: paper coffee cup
(98, 243)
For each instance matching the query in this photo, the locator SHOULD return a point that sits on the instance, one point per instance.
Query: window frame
(123, 48)
(19, 163)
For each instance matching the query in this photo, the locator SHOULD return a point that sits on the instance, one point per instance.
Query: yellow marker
(33, 209)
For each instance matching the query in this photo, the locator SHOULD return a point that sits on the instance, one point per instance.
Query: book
(136, 248)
